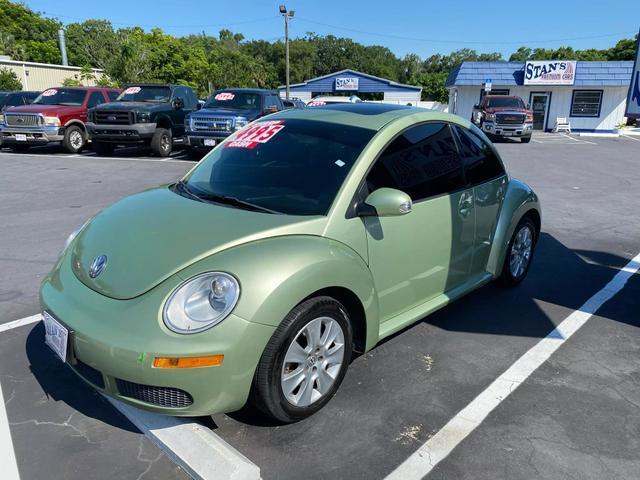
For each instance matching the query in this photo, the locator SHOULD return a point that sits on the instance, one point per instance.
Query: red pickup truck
(57, 115)
(504, 116)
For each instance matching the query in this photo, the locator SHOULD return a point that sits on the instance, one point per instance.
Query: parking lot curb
(196, 449)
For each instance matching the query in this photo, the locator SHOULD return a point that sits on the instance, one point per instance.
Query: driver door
(420, 255)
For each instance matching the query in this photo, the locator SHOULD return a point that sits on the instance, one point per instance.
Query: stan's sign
(633, 100)
(346, 83)
(549, 72)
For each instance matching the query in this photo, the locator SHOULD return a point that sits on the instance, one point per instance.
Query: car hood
(152, 235)
(128, 106)
(48, 110)
(231, 112)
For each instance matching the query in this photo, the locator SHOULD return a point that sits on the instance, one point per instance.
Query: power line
(437, 40)
(209, 25)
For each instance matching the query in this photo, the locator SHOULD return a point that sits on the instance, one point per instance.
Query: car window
(190, 99)
(506, 102)
(271, 101)
(145, 93)
(291, 166)
(422, 162)
(96, 98)
(61, 96)
(480, 162)
(112, 95)
(234, 99)
(15, 100)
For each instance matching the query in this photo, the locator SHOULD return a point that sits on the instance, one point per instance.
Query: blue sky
(424, 27)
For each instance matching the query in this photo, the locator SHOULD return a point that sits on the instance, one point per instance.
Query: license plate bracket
(209, 142)
(57, 336)
(21, 137)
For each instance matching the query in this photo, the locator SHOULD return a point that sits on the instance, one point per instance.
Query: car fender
(519, 198)
(276, 274)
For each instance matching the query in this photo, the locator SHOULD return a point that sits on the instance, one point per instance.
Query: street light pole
(287, 15)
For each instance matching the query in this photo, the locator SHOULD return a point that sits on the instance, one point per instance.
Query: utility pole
(287, 16)
(63, 47)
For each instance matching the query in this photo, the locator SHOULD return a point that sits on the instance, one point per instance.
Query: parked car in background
(16, 99)
(143, 114)
(57, 115)
(504, 116)
(293, 103)
(225, 112)
(306, 236)
(329, 100)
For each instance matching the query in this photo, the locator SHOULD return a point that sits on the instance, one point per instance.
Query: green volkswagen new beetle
(305, 237)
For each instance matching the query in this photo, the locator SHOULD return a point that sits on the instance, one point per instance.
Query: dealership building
(352, 82)
(590, 95)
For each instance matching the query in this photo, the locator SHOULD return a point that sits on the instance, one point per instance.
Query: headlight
(186, 122)
(201, 302)
(143, 117)
(1, 117)
(490, 116)
(52, 121)
(241, 122)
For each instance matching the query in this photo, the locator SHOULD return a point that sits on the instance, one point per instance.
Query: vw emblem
(97, 266)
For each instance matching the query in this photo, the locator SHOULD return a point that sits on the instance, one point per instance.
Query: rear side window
(422, 162)
(96, 98)
(481, 164)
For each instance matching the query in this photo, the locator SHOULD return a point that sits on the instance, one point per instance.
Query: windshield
(145, 94)
(61, 96)
(294, 167)
(504, 103)
(236, 100)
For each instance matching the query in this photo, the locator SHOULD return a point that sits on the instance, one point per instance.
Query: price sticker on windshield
(260, 132)
(132, 90)
(50, 92)
(316, 103)
(225, 96)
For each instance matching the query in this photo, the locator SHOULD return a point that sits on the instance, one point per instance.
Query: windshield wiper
(228, 199)
(183, 186)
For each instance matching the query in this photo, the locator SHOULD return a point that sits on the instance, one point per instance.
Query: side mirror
(178, 103)
(385, 202)
(198, 106)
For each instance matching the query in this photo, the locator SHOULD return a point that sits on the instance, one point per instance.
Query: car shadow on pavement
(61, 384)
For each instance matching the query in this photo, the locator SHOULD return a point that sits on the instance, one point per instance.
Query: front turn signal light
(188, 362)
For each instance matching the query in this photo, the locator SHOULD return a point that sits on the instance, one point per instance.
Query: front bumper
(34, 135)
(119, 134)
(508, 130)
(114, 342)
(197, 139)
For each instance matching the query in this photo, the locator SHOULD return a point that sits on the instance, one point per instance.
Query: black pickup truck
(150, 114)
(225, 112)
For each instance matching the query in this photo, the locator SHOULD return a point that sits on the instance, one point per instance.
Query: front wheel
(305, 361)
(162, 142)
(73, 140)
(519, 253)
(525, 139)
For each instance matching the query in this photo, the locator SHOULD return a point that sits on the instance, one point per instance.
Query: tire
(19, 148)
(103, 149)
(74, 139)
(162, 142)
(525, 139)
(512, 276)
(305, 395)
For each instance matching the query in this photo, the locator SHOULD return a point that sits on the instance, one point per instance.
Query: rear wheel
(519, 253)
(162, 142)
(305, 361)
(103, 149)
(74, 139)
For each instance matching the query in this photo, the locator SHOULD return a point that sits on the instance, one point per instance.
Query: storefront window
(586, 103)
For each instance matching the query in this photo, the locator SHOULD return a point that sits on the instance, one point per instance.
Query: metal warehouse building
(590, 95)
(39, 76)
(351, 82)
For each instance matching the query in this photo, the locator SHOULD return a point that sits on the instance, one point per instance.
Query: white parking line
(439, 446)
(629, 137)
(196, 449)
(94, 157)
(8, 462)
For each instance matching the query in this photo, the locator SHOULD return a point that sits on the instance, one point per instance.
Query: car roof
(502, 96)
(368, 115)
(334, 98)
(248, 90)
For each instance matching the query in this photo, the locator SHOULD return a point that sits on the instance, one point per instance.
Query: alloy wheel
(75, 140)
(312, 362)
(520, 254)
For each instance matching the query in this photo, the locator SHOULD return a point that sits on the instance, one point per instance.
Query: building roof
(366, 83)
(588, 74)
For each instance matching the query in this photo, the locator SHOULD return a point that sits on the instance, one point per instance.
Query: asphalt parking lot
(576, 417)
